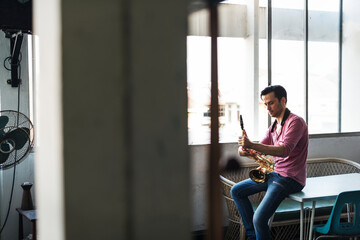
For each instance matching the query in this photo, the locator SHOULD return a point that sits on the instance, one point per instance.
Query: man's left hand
(244, 142)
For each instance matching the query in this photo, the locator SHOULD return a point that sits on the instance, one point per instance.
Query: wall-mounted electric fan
(16, 137)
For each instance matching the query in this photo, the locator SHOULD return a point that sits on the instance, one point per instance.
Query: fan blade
(3, 121)
(26, 130)
(3, 157)
(19, 136)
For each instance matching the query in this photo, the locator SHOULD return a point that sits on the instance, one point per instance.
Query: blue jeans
(277, 189)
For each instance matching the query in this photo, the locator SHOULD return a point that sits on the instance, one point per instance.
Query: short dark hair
(278, 90)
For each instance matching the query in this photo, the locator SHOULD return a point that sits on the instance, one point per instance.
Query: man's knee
(233, 192)
(236, 192)
(259, 221)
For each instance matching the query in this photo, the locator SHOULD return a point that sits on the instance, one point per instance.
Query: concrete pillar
(113, 163)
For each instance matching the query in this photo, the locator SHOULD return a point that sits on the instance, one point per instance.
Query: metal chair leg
(271, 220)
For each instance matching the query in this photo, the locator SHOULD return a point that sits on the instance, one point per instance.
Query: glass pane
(236, 74)
(288, 51)
(323, 65)
(235, 86)
(293, 4)
(198, 77)
(350, 121)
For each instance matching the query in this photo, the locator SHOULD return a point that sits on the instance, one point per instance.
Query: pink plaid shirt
(294, 137)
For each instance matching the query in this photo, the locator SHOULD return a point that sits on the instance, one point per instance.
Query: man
(287, 140)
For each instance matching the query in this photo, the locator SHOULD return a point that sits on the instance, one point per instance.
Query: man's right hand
(242, 152)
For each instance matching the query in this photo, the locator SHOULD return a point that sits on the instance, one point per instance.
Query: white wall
(25, 170)
(49, 155)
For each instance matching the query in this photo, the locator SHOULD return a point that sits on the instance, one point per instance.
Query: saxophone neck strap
(286, 115)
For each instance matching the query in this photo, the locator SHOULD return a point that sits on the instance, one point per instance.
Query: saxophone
(266, 164)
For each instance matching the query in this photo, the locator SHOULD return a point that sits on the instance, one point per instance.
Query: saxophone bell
(257, 175)
(266, 165)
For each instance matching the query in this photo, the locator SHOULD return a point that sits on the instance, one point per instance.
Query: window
(313, 60)
(236, 74)
(323, 66)
(350, 84)
(288, 51)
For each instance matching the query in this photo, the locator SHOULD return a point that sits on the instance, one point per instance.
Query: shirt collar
(286, 115)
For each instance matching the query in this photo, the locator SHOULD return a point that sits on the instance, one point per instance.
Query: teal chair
(336, 228)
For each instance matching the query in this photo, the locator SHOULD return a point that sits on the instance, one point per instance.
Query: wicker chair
(282, 227)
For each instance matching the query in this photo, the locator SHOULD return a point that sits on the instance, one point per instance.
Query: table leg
(21, 233)
(301, 221)
(34, 230)
(312, 219)
(271, 220)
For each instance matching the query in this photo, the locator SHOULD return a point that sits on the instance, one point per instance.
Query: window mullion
(269, 39)
(340, 62)
(256, 67)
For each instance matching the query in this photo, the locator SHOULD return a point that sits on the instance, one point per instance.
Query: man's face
(273, 105)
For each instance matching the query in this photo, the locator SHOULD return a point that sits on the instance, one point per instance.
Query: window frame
(306, 41)
(256, 89)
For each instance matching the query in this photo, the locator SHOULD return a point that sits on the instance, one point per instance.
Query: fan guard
(16, 137)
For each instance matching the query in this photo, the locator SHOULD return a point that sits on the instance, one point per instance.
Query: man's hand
(244, 142)
(242, 152)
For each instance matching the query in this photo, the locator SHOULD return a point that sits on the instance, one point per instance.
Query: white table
(322, 188)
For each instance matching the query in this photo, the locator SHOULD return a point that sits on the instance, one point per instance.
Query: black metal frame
(16, 39)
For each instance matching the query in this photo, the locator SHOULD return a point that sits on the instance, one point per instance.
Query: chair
(336, 228)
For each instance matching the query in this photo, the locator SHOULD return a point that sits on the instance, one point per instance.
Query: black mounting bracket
(16, 39)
